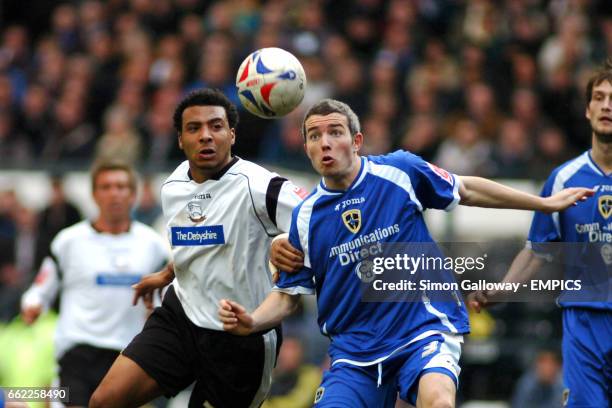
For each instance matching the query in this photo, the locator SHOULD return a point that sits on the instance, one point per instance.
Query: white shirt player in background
(93, 265)
(332, 142)
(221, 213)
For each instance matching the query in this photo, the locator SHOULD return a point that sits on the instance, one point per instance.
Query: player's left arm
(270, 313)
(481, 192)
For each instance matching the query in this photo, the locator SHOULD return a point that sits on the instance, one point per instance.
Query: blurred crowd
(480, 87)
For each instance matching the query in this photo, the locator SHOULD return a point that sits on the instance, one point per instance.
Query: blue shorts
(587, 357)
(377, 385)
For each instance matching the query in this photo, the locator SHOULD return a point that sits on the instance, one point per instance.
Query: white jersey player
(222, 213)
(93, 265)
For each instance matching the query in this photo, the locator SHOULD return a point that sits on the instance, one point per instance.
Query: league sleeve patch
(443, 174)
(300, 192)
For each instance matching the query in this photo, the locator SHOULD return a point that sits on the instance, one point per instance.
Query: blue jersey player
(378, 349)
(587, 317)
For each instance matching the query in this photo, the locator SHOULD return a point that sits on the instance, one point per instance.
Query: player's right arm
(147, 286)
(523, 267)
(284, 256)
(269, 314)
(39, 296)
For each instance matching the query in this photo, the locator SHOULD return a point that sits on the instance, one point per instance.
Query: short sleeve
(433, 186)
(302, 281)
(544, 227)
(280, 203)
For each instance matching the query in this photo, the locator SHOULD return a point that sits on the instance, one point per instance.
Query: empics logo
(352, 220)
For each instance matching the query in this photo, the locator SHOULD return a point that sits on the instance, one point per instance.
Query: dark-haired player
(221, 213)
(587, 318)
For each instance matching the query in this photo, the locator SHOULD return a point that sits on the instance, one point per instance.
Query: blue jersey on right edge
(384, 204)
(587, 321)
(588, 223)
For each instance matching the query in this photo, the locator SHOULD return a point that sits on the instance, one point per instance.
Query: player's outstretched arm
(523, 267)
(481, 192)
(270, 313)
(147, 286)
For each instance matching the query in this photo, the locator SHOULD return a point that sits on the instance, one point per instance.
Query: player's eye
(313, 136)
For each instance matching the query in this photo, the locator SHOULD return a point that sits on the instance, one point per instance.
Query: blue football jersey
(384, 204)
(587, 224)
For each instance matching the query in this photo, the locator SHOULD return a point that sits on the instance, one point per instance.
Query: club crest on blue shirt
(605, 205)
(352, 220)
(195, 211)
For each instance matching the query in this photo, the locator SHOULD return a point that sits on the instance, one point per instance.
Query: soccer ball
(270, 82)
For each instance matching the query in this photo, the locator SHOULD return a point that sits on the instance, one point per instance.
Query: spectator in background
(421, 136)
(541, 386)
(526, 110)
(148, 209)
(513, 151)
(551, 150)
(72, 138)
(59, 214)
(18, 260)
(378, 130)
(348, 79)
(120, 140)
(34, 117)
(14, 146)
(482, 109)
(464, 151)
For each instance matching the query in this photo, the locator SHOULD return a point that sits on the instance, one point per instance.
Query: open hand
(147, 286)
(566, 198)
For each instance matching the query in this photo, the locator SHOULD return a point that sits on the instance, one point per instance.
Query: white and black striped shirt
(220, 232)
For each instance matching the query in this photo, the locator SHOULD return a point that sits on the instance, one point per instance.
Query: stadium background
(479, 87)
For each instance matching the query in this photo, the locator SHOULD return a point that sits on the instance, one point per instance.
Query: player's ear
(357, 142)
(180, 140)
(233, 134)
(587, 113)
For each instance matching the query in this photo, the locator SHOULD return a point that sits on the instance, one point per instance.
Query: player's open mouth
(206, 153)
(327, 160)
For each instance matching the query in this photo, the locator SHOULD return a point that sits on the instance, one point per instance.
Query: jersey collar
(594, 165)
(221, 172)
(356, 181)
(93, 227)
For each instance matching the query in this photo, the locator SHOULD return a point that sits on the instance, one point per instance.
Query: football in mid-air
(271, 82)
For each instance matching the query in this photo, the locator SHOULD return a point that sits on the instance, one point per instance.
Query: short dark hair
(602, 74)
(329, 106)
(206, 97)
(102, 166)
